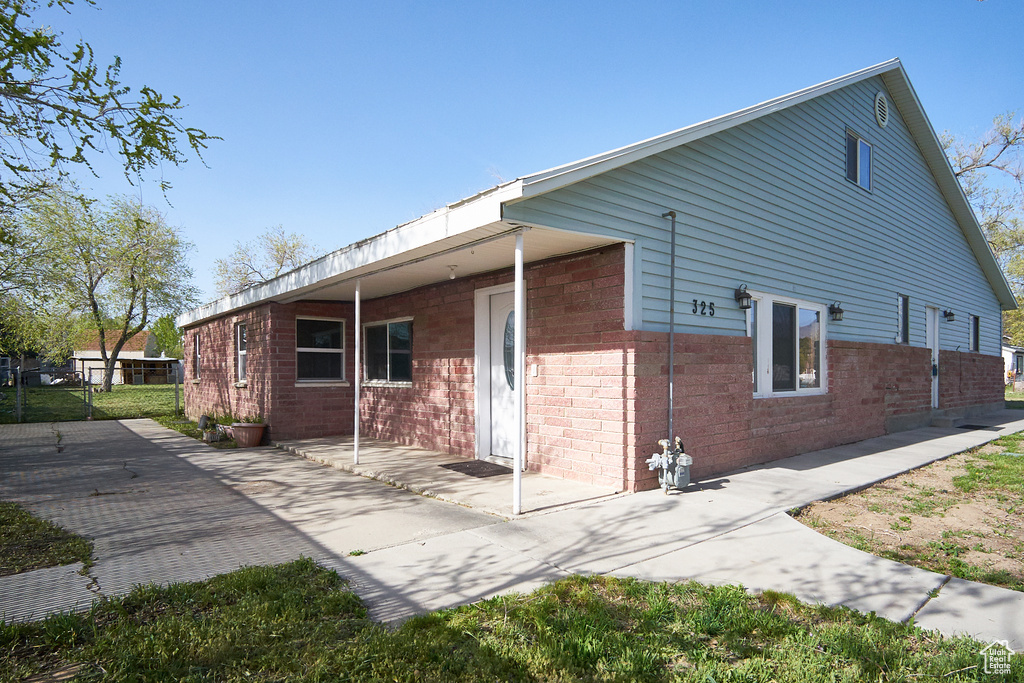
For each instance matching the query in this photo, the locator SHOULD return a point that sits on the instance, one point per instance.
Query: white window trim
(973, 320)
(900, 319)
(366, 349)
(763, 384)
(197, 357)
(871, 163)
(304, 349)
(241, 379)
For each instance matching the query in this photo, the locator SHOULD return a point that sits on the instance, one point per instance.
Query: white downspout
(358, 373)
(520, 377)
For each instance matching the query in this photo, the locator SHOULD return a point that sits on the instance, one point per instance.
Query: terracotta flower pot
(247, 434)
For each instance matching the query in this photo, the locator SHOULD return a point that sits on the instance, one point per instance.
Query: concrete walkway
(191, 511)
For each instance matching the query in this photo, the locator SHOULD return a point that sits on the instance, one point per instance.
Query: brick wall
(214, 392)
(579, 406)
(574, 337)
(724, 428)
(969, 379)
(300, 409)
(598, 403)
(290, 409)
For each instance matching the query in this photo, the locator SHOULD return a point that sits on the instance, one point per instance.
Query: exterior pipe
(358, 373)
(671, 321)
(519, 348)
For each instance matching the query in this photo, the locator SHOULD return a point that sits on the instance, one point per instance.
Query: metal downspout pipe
(671, 322)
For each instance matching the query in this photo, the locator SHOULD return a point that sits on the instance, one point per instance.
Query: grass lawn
(1013, 399)
(27, 542)
(298, 622)
(56, 404)
(961, 516)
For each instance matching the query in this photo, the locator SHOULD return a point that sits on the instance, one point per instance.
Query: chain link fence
(63, 395)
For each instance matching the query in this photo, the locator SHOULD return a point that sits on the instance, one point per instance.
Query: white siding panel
(767, 204)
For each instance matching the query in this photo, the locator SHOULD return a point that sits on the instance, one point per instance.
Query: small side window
(858, 160)
(902, 319)
(240, 346)
(974, 327)
(196, 356)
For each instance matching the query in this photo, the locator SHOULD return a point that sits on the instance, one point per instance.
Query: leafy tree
(991, 172)
(272, 253)
(115, 265)
(168, 337)
(58, 107)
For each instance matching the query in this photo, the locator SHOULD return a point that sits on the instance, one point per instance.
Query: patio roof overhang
(470, 235)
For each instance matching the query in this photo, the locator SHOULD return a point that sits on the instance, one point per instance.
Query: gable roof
(479, 217)
(90, 341)
(905, 98)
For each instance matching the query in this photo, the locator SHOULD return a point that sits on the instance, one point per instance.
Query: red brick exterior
(969, 379)
(291, 409)
(598, 403)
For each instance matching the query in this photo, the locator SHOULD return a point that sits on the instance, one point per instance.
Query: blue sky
(340, 119)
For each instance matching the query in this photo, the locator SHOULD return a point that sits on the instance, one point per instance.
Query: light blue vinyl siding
(767, 203)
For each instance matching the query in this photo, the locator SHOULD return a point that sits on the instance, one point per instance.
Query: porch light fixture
(743, 297)
(451, 275)
(950, 316)
(835, 311)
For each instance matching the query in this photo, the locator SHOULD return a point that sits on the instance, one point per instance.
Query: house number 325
(704, 307)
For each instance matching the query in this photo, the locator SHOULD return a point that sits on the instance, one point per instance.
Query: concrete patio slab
(343, 513)
(419, 470)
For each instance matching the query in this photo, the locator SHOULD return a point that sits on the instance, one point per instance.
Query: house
(1013, 362)
(812, 259)
(138, 362)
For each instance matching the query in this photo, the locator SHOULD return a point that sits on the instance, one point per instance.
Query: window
(240, 331)
(319, 349)
(789, 355)
(389, 351)
(974, 328)
(902, 319)
(195, 356)
(858, 161)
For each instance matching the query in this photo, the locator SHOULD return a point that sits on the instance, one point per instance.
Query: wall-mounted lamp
(835, 311)
(451, 275)
(950, 316)
(743, 297)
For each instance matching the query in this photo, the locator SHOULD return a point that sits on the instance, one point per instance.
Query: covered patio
(476, 484)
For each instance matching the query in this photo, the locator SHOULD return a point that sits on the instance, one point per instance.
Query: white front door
(932, 340)
(500, 361)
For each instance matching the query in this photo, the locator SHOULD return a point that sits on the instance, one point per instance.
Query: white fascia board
(913, 113)
(561, 176)
(473, 212)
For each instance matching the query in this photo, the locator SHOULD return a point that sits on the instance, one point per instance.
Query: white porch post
(359, 375)
(520, 380)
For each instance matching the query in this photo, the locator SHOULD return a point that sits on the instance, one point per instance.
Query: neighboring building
(137, 363)
(1013, 361)
(836, 196)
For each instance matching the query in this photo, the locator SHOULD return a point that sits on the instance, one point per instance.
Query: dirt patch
(928, 519)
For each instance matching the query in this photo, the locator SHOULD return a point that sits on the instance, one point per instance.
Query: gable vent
(881, 110)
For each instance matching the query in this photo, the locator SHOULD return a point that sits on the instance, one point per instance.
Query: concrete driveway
(162, 507)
